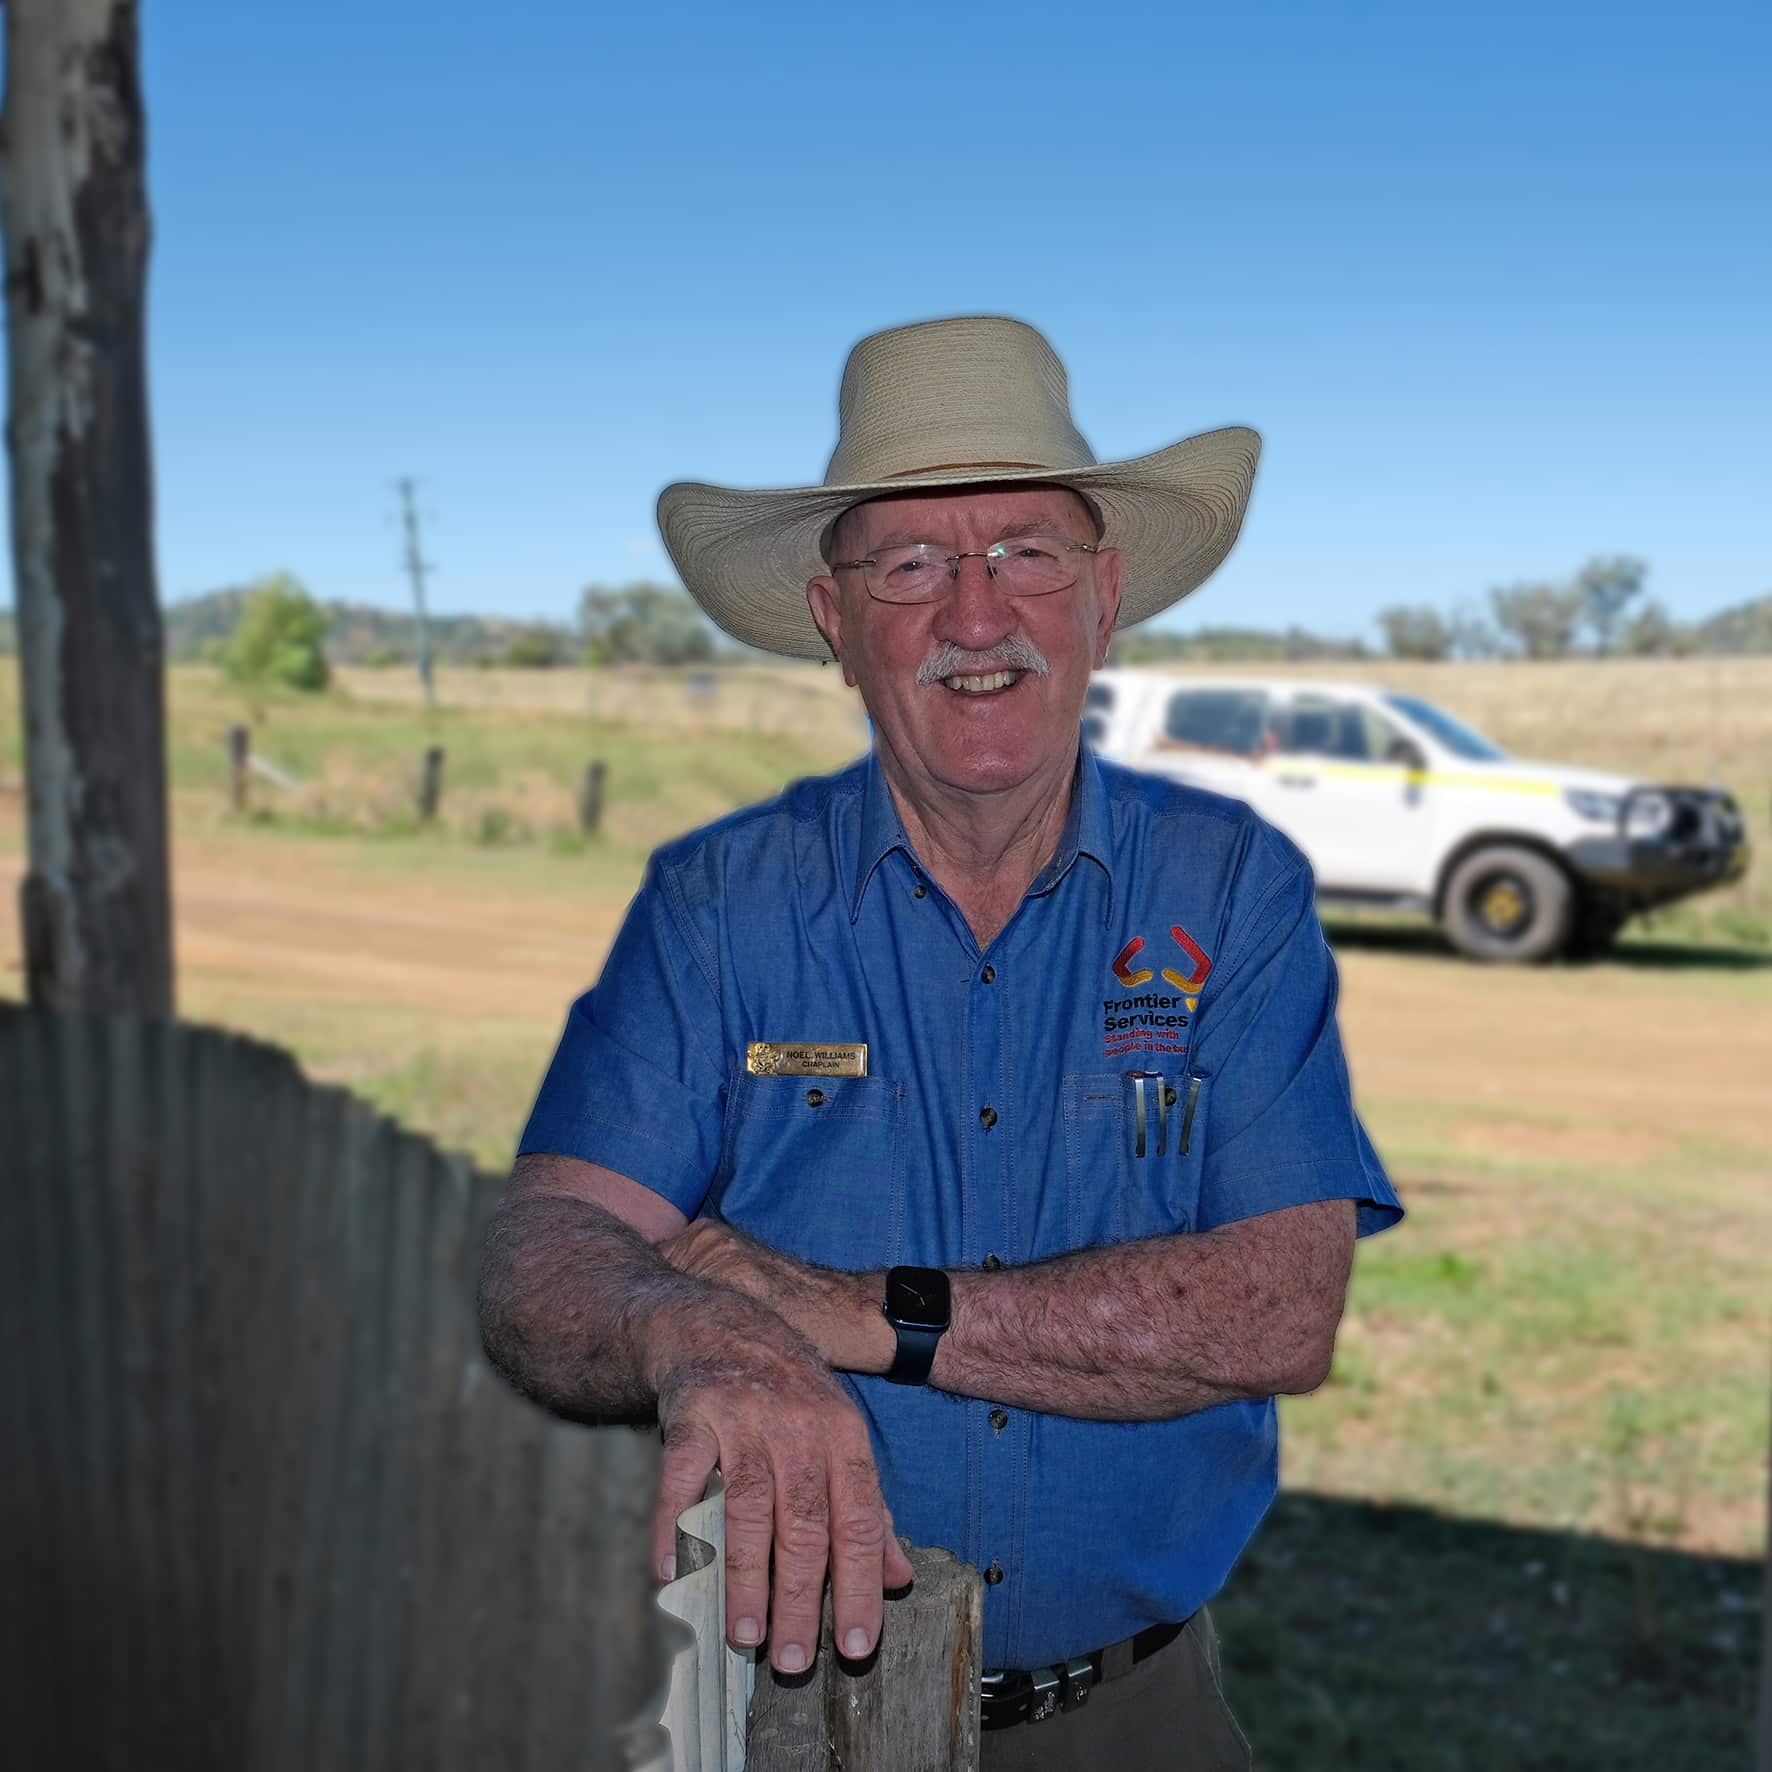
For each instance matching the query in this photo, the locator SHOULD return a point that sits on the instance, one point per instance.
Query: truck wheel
(1506, 903)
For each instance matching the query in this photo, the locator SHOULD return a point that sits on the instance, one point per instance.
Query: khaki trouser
(1167, 1715)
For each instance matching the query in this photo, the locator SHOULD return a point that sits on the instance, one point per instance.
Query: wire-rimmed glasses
(923, 571)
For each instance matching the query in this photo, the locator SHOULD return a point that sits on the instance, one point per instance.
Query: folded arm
(580, 1310)
(1135, 1332)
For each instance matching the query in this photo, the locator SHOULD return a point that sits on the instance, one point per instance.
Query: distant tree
(279, 638)
(1540, 619)
(538, 649)
(1473, 635)
(1415, 630)
(643, 624)
(1653, 633)
(1607, 588)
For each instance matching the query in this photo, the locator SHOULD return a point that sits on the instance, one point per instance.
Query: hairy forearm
(582, 1314)
(1155, 1329)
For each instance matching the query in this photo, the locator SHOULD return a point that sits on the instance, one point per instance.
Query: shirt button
(991, 1263)
(999, 1419)
(1170, 1098)
(987, 1116)
(989, 975)
(917, 890)
(994, 1573)
(815, 1098)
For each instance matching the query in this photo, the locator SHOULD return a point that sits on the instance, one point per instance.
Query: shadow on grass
(1642, 956)
(1398, 1639)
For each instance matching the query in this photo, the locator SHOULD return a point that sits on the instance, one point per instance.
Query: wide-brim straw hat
(955, 402)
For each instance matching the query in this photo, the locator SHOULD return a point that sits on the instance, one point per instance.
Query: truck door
(1349, 788)
(1213, 737)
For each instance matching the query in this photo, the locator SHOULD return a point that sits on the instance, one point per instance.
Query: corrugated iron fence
(262, 1502)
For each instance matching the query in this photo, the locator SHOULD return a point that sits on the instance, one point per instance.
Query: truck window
(1215, 720)
(1325, 726)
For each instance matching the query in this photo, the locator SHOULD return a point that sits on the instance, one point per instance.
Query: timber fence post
(910, 1707)
(590, 797)
(239, 761)
(430, 783)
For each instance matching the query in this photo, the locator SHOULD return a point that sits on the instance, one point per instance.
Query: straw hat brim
(745, 556)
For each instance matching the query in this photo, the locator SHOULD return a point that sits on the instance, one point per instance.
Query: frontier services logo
(1151, 1022)
(1188, 986)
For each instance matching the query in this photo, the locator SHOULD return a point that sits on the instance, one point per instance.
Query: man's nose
(976, 612)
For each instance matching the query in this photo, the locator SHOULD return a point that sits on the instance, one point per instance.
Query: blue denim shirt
(1173, 934)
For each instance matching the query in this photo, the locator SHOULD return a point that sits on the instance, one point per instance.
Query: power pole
(96, 903)
(416, 568)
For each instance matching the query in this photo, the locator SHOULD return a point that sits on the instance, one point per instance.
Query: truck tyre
(1508, 903)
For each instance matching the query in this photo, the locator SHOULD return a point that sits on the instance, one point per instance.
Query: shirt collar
(1088, 830)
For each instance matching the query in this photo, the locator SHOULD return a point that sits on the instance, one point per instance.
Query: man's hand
(839, 1313)
(800, 1479)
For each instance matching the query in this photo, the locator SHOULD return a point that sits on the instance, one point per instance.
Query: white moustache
(1011, 654)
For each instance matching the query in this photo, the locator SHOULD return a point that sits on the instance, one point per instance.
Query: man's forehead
(1002, 507)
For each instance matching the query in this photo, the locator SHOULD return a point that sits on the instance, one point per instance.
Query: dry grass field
(1565, 1347)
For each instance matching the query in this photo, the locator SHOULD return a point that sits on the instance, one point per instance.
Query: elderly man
(962, 1140)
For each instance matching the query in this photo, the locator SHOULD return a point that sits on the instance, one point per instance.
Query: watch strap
(915, 1356)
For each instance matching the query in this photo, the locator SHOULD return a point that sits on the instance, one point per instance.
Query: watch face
(917, 1297)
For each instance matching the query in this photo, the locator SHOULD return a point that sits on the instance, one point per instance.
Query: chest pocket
(814, 1166)
(1118, 1186)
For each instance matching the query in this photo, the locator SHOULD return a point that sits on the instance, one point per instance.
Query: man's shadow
(1398, 1639)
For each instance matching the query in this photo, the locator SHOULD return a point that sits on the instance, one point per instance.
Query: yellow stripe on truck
(1495, 784)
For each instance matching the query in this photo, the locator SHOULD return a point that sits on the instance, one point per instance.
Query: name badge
(806, 1058)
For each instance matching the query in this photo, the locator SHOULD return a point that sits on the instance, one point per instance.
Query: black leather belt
(1016, 1695)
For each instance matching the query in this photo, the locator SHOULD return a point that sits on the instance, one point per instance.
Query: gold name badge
(806, 1058)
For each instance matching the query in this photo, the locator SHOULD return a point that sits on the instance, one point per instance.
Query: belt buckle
(1003, 1697)
(1008, 1695)
(1046, 1694)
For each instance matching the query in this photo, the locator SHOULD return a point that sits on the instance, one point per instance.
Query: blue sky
(1493, 282)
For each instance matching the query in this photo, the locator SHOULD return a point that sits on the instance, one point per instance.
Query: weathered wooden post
(1765, 1751)
(239, 765)
(912, 1707)
(430, 783)
(95, 904)
(590, 797)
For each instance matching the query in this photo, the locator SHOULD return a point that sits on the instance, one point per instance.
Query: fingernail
(793, 1658)
(667, 1570)
(746, 1631)
(855, 1645)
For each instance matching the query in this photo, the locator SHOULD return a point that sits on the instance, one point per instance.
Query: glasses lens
(917, 574)
(1030, 565)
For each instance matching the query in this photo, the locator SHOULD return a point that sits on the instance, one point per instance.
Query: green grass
(1367, 1639)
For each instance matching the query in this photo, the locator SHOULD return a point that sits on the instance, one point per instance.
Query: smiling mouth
(986, 684)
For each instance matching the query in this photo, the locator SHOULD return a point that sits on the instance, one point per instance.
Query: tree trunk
(73, 207)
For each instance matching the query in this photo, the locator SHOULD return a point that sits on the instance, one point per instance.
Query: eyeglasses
(921, 572)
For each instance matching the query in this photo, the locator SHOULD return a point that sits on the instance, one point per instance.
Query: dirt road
(1601, 1061)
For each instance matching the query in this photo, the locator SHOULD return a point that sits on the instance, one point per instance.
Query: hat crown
(977, 391)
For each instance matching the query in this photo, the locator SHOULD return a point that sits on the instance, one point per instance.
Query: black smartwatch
(918, 1308)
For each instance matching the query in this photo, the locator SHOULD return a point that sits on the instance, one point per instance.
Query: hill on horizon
(361, 633)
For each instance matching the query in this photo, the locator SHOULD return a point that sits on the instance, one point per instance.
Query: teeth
(980, 685)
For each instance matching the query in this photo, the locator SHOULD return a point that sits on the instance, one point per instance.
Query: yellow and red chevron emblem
(1123, 965)
(1188, 985)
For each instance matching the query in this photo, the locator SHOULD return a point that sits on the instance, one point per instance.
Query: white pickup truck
(1398, 804)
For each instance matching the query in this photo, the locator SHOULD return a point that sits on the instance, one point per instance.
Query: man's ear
(1109, 565)
(826, 605)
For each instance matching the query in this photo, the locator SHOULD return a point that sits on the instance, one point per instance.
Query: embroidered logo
(1189, 986)
(1150, 1022)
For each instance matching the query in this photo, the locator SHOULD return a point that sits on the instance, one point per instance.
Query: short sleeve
(637, 1084)
(1280, 1127)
